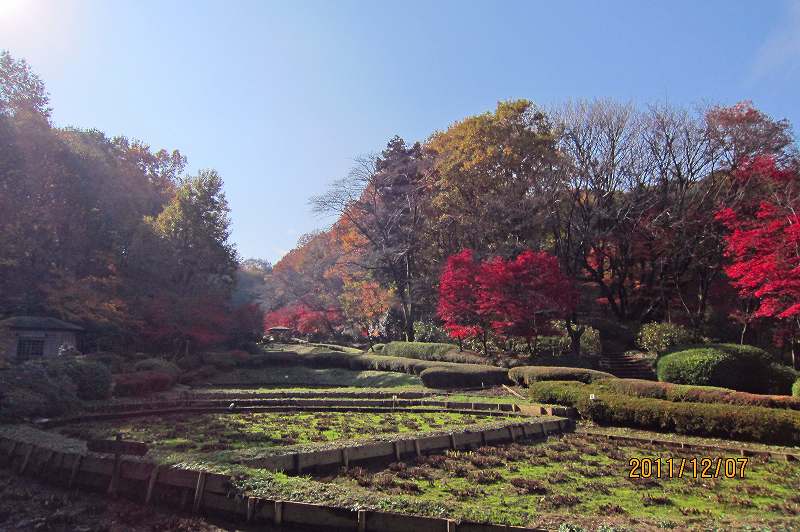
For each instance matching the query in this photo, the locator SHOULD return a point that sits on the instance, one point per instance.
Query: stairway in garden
(627, 366)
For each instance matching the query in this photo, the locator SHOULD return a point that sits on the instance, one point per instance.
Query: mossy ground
(225, 439)
(584, 478)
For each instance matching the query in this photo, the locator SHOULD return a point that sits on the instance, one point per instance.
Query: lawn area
(312, 377)
(225, 439)
(582, 478)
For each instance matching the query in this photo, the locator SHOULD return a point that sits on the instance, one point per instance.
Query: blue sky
(280, 97)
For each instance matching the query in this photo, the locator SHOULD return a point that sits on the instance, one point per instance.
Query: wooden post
(45, 463)
(346, 457)
(278, 515)
(10, 455)
(451, 525)
(76, 466)
(112, 486)
(296, 461)
(251, 508)
(25, 460)
(396, 451)
(417, 449)
(151, 484)
(362, 521)
(511, 433)
(453, 441)
(483, 438)
(198, 491)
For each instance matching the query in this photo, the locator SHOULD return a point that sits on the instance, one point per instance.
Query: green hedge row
(449, 374)
(48, 388)
(750, 423)
(434, 351)
(525, 375)
(140, 383)
(695, 394)
(463, 376)
(738, 367)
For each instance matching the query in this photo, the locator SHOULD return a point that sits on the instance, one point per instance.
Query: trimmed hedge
(115, 363)
(463, 376)
(663, 337)
(751, 423)
(141, 383)
(431, 351)
(159, 365)
(92, 379)
(685, 393)
(32, 390)
(739, 367)
(453, 375)
(525, 375)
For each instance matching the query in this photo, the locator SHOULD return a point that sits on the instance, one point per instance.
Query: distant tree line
(627, 200)
(109, 233)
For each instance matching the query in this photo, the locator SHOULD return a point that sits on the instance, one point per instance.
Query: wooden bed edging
(162, 406)
(397, 450)
(741, 451)
(205, 492)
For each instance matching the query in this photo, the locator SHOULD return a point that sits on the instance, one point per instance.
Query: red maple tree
(513, 298)
(458, 298)
(764, 242)
(522, 297)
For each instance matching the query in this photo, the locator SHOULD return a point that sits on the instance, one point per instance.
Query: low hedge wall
(141, 383)
(525, 375)
(685, 393)
(463, 376)
(157, 364)
(455, 375)
(434, 351)
(750, 423)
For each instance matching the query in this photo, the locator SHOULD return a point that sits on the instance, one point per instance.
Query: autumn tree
(458, 299)
(492, 180)
(383, 202)
(522, 296)
(763, 243)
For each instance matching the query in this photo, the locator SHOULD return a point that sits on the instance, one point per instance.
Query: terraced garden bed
(583, 477)
(225, 439)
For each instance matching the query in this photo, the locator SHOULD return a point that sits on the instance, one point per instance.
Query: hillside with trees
(656, 214)
(111, 233)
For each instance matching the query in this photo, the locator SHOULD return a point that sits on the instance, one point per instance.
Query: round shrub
(115, 363)
(92, 379)
(33, 389)
(463, 376)
(662, 337)
(780, 379)
(158, 364)
(525, 375)
(739, 367)
(796, 388)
